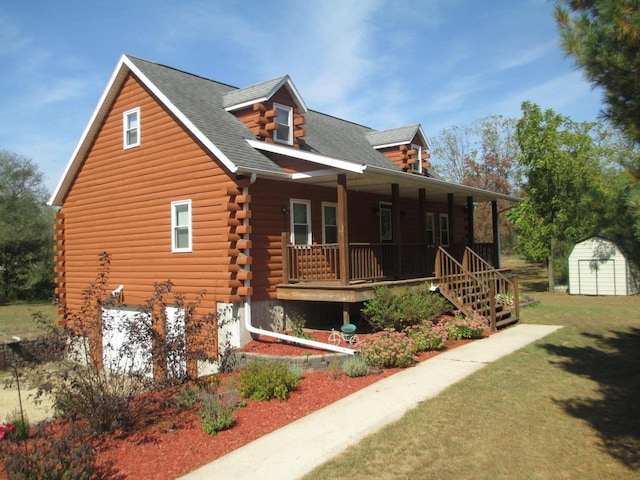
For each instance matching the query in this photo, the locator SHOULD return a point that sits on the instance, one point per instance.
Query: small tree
(112, 360)
(562, 184)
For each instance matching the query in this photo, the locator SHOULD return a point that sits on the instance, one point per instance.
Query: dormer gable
(405, 146)
(272, 110)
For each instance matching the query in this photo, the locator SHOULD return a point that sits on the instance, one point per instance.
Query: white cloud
(563, 93)
(60, 90)
(525, 56)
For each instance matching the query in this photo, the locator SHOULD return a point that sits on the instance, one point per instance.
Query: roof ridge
(169, 67)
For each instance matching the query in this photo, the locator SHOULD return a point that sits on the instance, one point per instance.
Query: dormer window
(131, 128)
(416, 167)
(284, 132)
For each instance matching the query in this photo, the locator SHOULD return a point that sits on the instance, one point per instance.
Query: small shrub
(428, 336)
(388, 349)
(50, 458)
(216, 414)
(335, 370)
(297, 325)
(263, 380)
(188, 398)
(355, 366)
(467, 326)
(399, 309)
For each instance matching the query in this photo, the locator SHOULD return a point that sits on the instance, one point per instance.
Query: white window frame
(446, 230)
(289, 110)
(307, 204)
(126, 129)
(417, 167)
(175, 226)
(385, 212)
(429, 224)
(324, 222)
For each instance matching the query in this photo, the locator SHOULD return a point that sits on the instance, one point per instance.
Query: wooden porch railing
(367, 261)
(477, 285)
(505, 289)
(461, 287)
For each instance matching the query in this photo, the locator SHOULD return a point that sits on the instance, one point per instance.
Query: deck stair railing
(506, 291)
(472, 290)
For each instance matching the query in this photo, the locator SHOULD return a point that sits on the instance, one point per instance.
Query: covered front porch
(407, 245)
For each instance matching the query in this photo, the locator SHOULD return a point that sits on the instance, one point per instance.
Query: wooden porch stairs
(475, 285)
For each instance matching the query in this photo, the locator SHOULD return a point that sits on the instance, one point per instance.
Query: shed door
(597, 277)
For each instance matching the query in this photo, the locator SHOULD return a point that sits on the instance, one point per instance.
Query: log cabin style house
(268, 206)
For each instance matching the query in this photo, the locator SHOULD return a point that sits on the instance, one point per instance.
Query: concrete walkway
(294, 450)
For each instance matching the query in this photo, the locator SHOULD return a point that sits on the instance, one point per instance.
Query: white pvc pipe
(290, 338)
(281, 336)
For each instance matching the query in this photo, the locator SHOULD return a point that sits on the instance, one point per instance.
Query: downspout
(281, 336)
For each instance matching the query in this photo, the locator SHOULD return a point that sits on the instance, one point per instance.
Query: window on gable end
(284, 117)
(131, 128)
(416, 167)
(181, 236)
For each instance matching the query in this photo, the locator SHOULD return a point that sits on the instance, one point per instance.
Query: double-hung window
(131, 128)
(429, 234)
(300, 222)
(444, 229)
(329, 222)
(181, 226)
(284, 117)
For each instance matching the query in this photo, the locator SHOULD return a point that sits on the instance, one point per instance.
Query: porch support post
(422, 212)
(397, 225)
(452, 223)
(343, 229)
(470, 231)
(496, 234)
(346, 317)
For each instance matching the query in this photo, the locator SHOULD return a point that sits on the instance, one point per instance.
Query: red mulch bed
(170, 442)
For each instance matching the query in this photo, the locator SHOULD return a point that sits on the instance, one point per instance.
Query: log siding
(121, 203)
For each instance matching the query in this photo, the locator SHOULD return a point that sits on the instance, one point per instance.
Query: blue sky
(380, 63)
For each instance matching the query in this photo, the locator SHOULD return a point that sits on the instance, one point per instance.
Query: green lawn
(566, 407)
(16, 318)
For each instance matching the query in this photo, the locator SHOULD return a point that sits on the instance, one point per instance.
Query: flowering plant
(428, 336)
(6, 429)
(467, 326)
(388, 348)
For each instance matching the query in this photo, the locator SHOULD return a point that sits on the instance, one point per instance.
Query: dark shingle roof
(202, 101)
(254, 92)
(394, 136)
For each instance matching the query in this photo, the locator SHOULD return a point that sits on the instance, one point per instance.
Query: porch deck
(312, 272)
(334, 291)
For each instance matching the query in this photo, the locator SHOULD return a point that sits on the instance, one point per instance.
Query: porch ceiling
(378, 181)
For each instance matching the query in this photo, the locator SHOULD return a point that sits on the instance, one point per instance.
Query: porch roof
(377, 180)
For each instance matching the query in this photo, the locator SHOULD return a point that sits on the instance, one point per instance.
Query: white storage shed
(597, 266)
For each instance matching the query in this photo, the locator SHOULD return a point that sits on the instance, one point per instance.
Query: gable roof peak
(261, 92)
(396, 136)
